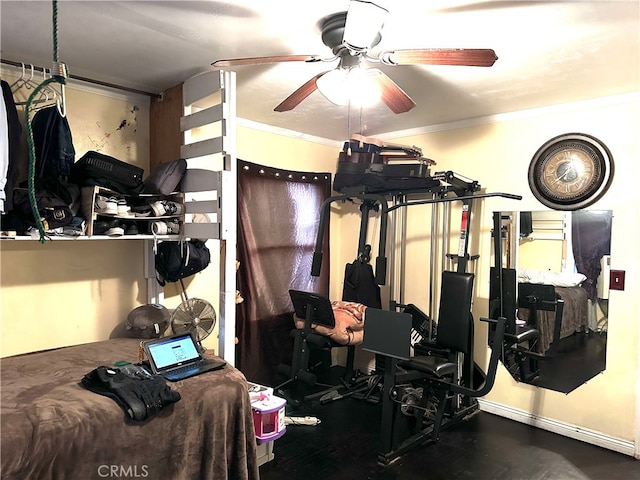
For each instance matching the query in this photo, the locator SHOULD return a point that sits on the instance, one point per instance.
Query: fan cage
(194, 315)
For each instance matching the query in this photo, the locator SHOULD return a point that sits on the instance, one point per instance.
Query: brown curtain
(278, 220)
(591, 240)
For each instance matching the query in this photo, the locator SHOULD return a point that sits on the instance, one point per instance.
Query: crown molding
(459, 124)
(287, 133)
(517, 115)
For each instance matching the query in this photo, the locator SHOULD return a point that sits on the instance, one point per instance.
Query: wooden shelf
(89, 210)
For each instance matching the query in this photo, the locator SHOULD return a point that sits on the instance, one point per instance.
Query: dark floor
(485, 446)
(576, 360)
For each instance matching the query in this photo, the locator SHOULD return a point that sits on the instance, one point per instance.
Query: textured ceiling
(548, 53)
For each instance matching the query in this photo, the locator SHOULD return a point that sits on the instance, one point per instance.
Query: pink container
(268, 418)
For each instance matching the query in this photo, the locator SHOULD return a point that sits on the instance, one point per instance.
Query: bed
(549, 287)
(54, 428)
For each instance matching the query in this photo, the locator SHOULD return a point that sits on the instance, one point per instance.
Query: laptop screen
(173, 351)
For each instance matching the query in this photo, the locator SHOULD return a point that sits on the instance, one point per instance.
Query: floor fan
(193, 315)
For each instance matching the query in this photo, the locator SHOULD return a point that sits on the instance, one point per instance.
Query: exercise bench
(425, 393)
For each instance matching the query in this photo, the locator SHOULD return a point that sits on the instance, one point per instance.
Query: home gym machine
(437, 386)
(519, 355)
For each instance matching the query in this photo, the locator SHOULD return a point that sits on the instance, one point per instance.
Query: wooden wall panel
(165, 137)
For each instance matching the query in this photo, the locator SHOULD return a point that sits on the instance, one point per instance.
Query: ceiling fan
(351, 35)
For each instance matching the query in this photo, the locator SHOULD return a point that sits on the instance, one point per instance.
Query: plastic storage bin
(268, 418)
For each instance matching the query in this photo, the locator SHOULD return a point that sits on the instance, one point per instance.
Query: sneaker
(115, 231)
(173, 226)
(141, 211)
(170, 227)
(163, 208)
(101, 227)
(108, 205)
(131, 229)
(124, 210)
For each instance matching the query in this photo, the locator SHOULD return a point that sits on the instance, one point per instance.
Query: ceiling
(548, 53)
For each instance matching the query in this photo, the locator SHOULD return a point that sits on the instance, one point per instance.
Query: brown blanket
(349, 328)
(574, 316)
(54, 428)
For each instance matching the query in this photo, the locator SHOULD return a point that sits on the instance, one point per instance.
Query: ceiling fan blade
(473, 57)
(293, 100)
(391, 94)
(234, 62)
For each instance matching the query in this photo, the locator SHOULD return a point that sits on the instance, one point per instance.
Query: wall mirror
(554, 294)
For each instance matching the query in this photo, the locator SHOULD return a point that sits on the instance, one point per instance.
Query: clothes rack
(88, 80)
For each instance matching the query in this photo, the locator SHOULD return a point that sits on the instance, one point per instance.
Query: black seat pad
(430, 364)
(322, 341)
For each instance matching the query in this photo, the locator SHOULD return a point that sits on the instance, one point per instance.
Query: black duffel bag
(176, 260)
(95, 168)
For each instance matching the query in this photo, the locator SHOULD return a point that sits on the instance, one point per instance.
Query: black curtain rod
(85, 79)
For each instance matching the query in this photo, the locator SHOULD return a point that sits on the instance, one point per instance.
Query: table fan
(193, 315)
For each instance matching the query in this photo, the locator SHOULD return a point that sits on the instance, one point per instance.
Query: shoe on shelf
(115, 231)
(141, 210)
(163, 208)
(108, 205)
(124, 210)
(173, 226)
(112, 228)
(131, 228)
(169, 227)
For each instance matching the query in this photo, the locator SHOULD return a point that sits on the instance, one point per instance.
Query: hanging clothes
(55, 154)
(4, 152)
(11, 148)
(526, 224)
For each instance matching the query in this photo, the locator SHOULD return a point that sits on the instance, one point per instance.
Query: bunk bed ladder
(210, 184)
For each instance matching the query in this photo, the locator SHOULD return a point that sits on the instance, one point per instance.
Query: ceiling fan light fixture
(331, 85)
(363, 24)
(352, 86)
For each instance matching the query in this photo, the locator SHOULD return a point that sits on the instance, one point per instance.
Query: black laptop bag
(95, 168)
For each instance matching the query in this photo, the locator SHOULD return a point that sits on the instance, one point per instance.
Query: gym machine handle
(316, 264)
(381, 259)
(496, 351)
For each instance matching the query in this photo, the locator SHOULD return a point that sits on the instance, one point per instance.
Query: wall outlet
(616, 280)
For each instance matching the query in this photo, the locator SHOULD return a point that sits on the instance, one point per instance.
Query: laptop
(177, 357)
(388, 333)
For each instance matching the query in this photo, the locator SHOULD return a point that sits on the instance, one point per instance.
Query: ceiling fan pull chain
(349, 121)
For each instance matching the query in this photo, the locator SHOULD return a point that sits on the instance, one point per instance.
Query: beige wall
(540, 255)
(497, 154)
(74, 291)
(68, 292)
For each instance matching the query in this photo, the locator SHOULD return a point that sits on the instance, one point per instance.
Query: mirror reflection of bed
(557, 267)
